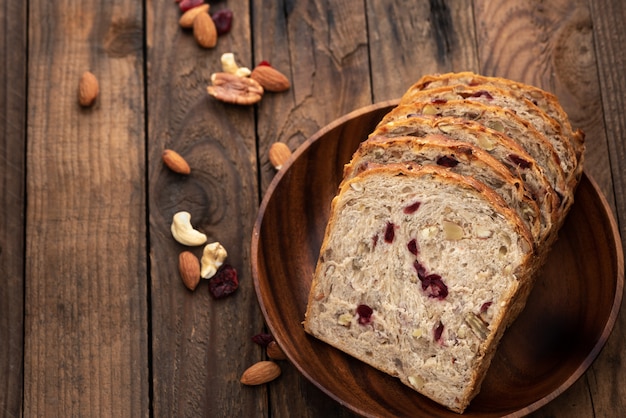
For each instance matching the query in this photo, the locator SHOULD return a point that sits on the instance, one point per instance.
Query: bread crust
(503, 120)
(501, 147)
(545, 100)
(462, 158)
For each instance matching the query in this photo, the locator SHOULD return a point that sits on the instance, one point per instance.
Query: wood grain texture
(13, 77)
(86, 325)
(325, 45)
(408, 39)
(556, 52)
(607, 384)
(200, 346)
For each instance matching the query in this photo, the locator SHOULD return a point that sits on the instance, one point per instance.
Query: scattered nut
(204, 31)
(213, 257)
(274, 351)
(88, 89)
(230, 88)
(229, 65)
(270, 78)
(261, 372)
(279, 153)
(184, 233)
(175, 162)
(189, 268)
(186, 20)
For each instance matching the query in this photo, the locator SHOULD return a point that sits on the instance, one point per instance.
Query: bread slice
(504, 121)
(546, 101)
(459, 157)
(522, 107)
(507, 151)
(407, 281)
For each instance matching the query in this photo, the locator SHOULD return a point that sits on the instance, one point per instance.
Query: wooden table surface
(94, 319)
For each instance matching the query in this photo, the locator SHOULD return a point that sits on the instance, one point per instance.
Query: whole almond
(88, 89)
(175, 162)
(186, 20)
(279, 153)
(270, 78)
(274, 351)
(261, 372)
(204, 30)
(189, 268)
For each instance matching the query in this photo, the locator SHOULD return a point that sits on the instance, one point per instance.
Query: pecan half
(230, 88)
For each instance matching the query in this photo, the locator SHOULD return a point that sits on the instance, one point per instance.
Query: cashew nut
(229, 65)
(213, 257)
(184, 233)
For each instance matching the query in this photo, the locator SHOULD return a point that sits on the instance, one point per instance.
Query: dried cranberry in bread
(507, 151)
(407, 281)
(507, 122)
(459, 157)
(522, 107)
(546, 101)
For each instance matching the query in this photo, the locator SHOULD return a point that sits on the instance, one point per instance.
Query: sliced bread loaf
(525, 109)
(546, 101)
(504, 121)
(398, 287)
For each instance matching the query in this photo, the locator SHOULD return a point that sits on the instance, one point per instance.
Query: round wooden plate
(566, 322)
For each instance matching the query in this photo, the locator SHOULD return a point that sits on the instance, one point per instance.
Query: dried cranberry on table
(185, 5)
(263, 339)
(224, 283)
(223, 20)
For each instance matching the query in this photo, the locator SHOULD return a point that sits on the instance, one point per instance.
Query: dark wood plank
(86, 296)
(410, 39)
(322, 47)
(201, 346)
(551, 46)
(607, 380)
(12, 203)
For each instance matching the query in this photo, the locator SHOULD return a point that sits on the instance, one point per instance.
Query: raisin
(224, 283)
(447, 161)
(412, 246)
(434, 286)
(485, 306)
(421, 270)
(223, 20)
(519, 161)
(185, 5)
(438, 331)
(412, 208)
(389, 232)
(365, 314)
(438, 101)
(263, 339)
